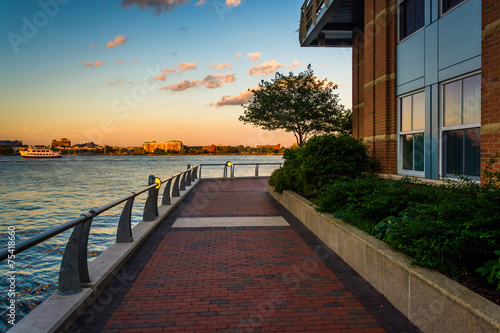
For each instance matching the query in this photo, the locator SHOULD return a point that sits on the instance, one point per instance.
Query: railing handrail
(232, 165)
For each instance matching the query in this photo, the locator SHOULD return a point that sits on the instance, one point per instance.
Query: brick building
(173, 145)
(64, 142)
(426, 79)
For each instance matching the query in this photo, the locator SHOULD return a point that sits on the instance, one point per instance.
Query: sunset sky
(129, 71)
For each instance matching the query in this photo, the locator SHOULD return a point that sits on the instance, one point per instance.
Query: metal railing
(229, 166)
(74, 265)
(309, 15)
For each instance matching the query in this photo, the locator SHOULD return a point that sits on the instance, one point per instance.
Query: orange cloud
(94, 46)
(164, 73)
(266, 68)
(233, 3)
(237, 55)
(118, 40)
(242, 98)
(98, 63)
(296, 64)
(159, 6)
(92, 65)
(134, 62)
(227, 65)
(200, 3)
(184, 66)
(118, 80)
(210, 82)
(254, 56)
(119, 62)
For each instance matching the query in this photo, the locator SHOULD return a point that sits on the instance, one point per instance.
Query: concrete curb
(430, 300)
(57, 313)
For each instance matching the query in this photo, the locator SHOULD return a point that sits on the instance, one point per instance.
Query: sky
(125, 72)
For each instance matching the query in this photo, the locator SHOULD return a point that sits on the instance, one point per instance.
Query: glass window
(412, 115)
(411, 17)
(449, 4)
(461, 133)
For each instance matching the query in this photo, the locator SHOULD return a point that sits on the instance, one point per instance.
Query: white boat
(33, 152)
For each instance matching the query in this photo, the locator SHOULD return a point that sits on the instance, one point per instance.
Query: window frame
(400, 40)
(441, 7)
(443, 129)
(401, 133)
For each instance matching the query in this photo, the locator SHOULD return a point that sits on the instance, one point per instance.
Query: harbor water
(39, 194)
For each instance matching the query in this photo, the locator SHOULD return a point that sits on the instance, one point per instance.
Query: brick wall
(374, 92)
(490, 83)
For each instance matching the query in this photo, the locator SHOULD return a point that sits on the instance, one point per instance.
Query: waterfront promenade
(230, 258)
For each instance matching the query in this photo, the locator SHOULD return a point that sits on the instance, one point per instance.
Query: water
(36, 195)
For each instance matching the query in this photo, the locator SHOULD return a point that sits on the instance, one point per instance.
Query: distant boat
(33, 152)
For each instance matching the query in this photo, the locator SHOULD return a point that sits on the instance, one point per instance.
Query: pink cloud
(266, 68)
(98, 63)
(119, 62)
(94, 46)
(184, 66)
(200, 3)
(118, 40)
(296, 64)
(254, 56)
(159, 6)
(210, 82)
(242, 98)
(164, 73)
(118, 80)
(233, 3)
(134, 62)
(237, 55)
(92, 65)
(227, 65)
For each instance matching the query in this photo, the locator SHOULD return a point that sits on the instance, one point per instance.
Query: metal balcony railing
(309, 15)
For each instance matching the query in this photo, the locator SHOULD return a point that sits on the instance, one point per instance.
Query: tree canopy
(301, 104)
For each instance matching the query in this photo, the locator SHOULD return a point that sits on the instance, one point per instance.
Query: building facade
(64, 142)
(172, 145)
(425, 79)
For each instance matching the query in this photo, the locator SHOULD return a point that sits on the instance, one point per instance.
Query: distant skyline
(126, 72)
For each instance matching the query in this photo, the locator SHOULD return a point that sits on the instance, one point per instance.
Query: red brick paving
(238, 279)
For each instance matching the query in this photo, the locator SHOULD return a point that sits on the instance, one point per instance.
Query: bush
(446, 227)
(320, 161)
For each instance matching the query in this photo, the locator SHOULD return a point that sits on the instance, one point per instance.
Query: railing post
(199, 176)
(124, 230)
(182, 187)
(188, 177)
(151, 207)
(166, 193)
(74, 268)
(194, 176)
(175, 189)
(256, 170)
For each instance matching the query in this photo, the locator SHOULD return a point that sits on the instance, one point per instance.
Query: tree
(302, 104)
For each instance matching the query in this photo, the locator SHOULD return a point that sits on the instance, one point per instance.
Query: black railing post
(151, 207)
(166, 193)
(175, 189)
(183, 182)
(124, 229)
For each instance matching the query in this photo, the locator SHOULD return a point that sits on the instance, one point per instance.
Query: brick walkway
(238, 279)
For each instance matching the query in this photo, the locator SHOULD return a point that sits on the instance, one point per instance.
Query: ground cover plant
(452, 227)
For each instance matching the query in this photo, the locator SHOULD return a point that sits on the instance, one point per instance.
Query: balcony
(331, 23)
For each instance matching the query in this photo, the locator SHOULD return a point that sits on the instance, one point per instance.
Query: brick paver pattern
(237, 279)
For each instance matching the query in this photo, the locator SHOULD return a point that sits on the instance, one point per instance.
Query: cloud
(159, 6)
(241, 98)
(118, 80)
(200, 3)
(184, 66)
(92, 65)
(296, 64)
(233, 3)
(119, 62)
(237, 55)
(94, 46)
(164, 73)
(227, 65)
(266, 68)
(209, 82)
(254, 56)
(183, 28)
(134, 62)
(118, 40)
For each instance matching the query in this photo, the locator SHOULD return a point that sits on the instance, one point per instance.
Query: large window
(411, 17)
(461, 130)
(411, 132)
(449, 4)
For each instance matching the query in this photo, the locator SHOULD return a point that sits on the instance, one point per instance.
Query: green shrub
(321, 160)
(491, 270)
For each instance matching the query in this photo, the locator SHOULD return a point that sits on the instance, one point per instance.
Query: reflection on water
(36, 195)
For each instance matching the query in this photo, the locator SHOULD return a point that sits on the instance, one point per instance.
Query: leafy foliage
(491, 270)
(302, 104)
(319, 161)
